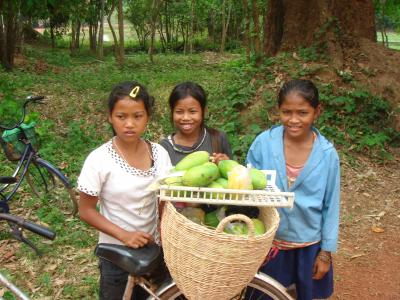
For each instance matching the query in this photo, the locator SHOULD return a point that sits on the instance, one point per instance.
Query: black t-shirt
(177, 152)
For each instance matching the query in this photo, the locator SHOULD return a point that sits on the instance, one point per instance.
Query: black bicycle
(17, 225)
(40, 174)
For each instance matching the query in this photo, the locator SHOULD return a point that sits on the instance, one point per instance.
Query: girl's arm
(89, 214)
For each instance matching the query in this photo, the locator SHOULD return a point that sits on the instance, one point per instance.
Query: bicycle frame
(28, 157)
(19, 172)
(21, 223)
(15, 290)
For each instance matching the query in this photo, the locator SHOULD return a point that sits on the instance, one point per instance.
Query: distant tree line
(262, 27)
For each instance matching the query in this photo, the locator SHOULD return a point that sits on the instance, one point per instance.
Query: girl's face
(129, 119)
(297, 115)
(187, 115)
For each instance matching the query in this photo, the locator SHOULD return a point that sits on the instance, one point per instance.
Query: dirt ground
(368, 259)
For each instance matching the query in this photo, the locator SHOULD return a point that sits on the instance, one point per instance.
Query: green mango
(222, 181)
(215, 195)
(259, 227)
(176, 193)
(211, 219)
(173, 180)
(201, 175)
(258, 179)
(191, 160)
(236, 228)
(225, 166)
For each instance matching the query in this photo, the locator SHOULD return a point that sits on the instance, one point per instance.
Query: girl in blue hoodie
(308, 165)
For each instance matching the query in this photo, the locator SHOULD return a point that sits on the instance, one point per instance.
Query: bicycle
(17, 225)
(141, 262)
(39, 173)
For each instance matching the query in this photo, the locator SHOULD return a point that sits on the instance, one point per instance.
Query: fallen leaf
(377, 229)
(357, 255)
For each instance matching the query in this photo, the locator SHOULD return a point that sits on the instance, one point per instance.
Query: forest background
(74, 51)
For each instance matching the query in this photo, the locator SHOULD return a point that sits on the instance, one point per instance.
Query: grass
(73, 122)
(70, 125)
(393, 38)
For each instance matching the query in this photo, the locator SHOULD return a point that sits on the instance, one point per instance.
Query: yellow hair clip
(134, 91)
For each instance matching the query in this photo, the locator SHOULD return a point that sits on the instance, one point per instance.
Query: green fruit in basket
(194, 214)
(211, 219)
(215, 195)
(236, 228)
(201, 176)
(173, 180)
(258, 179)
(191, 160)
(176, 193)
(222, 181)
(225, 166)
(259, 228)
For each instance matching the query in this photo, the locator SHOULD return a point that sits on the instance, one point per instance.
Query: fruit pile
(195, 170)
(200, 172)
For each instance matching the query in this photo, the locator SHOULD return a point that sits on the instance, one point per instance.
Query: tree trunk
(246, 37)
(114, 35)
(93, 37)
(9, 33)
(273, 27)
(191, 39)
(121, 44)
(155, 5)
(225, 24)
(100, 49)
(256, 35)
(306, 23)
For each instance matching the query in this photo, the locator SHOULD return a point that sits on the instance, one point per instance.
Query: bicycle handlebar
(36, 99)
(36, 228)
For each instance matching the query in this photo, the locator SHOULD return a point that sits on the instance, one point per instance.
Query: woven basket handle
(237, 217)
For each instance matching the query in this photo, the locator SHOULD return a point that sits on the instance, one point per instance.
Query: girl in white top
(116, 176)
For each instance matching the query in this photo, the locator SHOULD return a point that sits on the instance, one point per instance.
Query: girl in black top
(188, 103)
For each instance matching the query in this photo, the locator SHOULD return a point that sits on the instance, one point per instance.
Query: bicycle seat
(138, 262)
(7, 180)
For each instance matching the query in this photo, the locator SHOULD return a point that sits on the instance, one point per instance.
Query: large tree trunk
(305, 23)
(9, 30)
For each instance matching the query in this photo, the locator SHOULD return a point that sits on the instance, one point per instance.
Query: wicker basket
(210, 264)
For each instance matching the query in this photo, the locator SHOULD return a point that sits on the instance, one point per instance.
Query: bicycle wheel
(51, 185)
(261, 286)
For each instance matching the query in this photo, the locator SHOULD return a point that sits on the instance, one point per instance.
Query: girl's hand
(136, 239)
(322, 265)
(216, 157)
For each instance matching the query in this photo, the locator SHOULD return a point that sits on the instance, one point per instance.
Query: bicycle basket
(210, 264)
(11, 140)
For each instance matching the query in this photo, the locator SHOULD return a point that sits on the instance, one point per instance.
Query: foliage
(350, 120)
(73, 123)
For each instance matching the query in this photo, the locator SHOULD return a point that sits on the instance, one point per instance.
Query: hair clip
(134, 91)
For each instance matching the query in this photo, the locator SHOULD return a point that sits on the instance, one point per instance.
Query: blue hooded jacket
(315, 214)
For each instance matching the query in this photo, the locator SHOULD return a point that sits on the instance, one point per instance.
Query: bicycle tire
(44, 178)
(265, 285)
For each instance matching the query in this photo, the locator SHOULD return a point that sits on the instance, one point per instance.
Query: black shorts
(113, 281)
